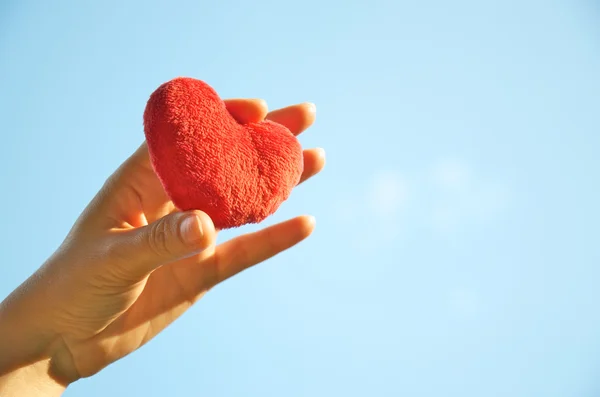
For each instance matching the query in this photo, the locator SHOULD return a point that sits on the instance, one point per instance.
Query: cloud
(387, 194)
(447, 197)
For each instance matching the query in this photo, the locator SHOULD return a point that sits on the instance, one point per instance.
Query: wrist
(24, 338)
(27, 343)
(31, 380)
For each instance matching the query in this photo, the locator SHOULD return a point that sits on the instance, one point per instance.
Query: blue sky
(457, 248)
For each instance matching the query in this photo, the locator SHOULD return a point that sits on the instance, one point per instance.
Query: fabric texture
(206, 160)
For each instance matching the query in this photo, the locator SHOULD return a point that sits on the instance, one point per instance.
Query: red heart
(206, 160)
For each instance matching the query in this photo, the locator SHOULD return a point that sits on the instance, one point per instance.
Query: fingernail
(191, 229)
(312, 107)
(321, 152)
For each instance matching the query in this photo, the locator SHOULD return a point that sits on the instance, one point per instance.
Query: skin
(130, 266)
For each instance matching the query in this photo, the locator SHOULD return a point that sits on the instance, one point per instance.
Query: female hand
(129, 267)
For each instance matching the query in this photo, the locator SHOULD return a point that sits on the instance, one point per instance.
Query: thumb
(171, 238)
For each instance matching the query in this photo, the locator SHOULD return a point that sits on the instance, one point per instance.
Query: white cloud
(387, 194)
(447, 198)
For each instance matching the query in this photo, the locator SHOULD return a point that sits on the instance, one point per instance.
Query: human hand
(131, 265)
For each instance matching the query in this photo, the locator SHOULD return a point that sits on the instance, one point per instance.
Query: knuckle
(158, 238)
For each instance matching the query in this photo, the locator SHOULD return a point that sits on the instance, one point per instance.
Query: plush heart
(206, 160)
